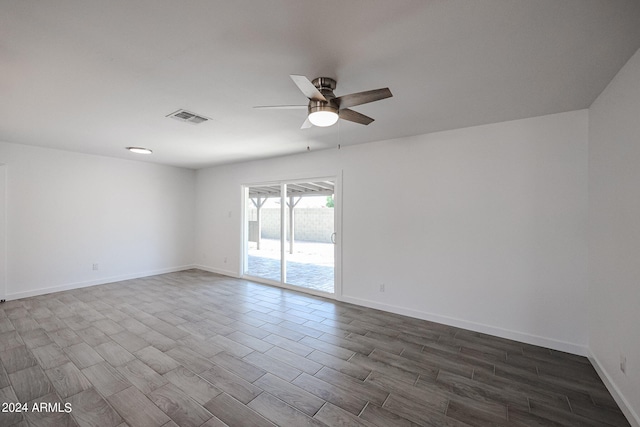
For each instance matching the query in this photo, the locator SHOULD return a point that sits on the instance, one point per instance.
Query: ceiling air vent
(187, 116)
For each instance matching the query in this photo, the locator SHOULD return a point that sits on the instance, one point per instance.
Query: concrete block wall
(311, 224)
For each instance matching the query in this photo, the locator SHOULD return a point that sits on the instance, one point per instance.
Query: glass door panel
(263, 228)
(309, 248)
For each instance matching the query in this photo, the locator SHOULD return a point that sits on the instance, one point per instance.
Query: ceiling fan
(324, 108)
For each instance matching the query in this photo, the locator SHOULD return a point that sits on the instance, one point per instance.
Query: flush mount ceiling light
(324, 108)
(139, 150)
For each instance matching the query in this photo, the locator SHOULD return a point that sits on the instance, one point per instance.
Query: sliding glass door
(290, 233)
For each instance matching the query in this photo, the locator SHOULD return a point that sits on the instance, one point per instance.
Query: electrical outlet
(382, 287)
(95, 267)
(623, 363)
(225, 260)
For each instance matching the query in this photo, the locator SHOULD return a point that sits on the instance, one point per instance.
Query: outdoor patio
(310, 266)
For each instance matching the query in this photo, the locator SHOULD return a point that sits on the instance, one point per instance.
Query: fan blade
(309, 90)
(307, 124)
(354, 116)
(280, 107)
(353, 99)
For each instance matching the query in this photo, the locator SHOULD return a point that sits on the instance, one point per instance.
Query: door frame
(337, 224)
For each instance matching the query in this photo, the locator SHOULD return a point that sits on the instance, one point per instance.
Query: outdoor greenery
(330, 202)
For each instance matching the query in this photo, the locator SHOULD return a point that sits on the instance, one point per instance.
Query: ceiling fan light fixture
(323, 118)
(322, 114)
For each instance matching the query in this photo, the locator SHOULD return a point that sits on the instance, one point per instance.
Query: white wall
(614, 232)
(67, 211)
(3, 248)
(483, 227)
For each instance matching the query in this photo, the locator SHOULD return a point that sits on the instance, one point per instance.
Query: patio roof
(298, 189)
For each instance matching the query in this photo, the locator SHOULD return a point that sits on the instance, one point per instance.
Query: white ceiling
(96, 76)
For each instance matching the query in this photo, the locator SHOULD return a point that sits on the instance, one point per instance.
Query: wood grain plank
(193, 385)
(291, 394)
(181, 409)
(30, 383)
(280, 413)
(106, 379)
(17, 358)
(340, 365)
(231, 384)
(142, 376)
(334, 416)
(68, 380)
(366, 391)
(234, 413)
(384, 418)
(326, 391)
(156, 360)
(274, 366)
(137, 409)
(292, 359)
(82, 355)
(114, 353)
(91, 410)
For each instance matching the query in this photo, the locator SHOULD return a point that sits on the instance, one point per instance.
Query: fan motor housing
(322, 106)
(325, 85)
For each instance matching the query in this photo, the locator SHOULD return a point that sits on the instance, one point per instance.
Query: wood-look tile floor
(198, 349)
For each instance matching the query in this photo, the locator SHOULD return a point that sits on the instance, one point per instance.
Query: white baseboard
(217, 271)
(101, 281)
(627, 410)
(567, 347)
